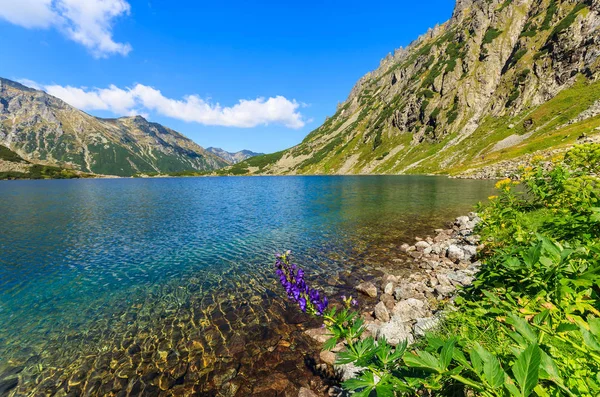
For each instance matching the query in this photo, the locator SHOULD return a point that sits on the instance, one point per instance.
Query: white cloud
(192, 108)
(88, 22)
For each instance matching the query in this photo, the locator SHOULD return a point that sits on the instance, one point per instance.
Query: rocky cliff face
(44, 129)
(232, 158)
(500, 79)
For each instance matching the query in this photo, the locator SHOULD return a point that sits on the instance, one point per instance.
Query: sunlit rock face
(442, 104)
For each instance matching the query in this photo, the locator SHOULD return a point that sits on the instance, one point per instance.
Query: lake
(166, 286)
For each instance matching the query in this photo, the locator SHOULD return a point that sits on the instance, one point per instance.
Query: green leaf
(330, 343)
(446, 354)
(565, 327)
(541, 317)
(589, 340)
(362, 385)
(594, 323)
(423, 360)
(513, 390)
(493, 372)
(522, 327)
(469, 382)
(527, 368)
(384, 387)
(548, 369)
(476, 361)
(532, 255)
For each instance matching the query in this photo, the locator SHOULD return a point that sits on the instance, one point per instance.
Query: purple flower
(292, 279)
(302, 303)
(354, 302)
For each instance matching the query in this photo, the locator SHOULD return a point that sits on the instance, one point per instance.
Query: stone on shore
(409, 309)
(327, 357)
(424, 325)
(367, 288)
(388, 300)
(396, 331)
(455, 253)
(381, 312)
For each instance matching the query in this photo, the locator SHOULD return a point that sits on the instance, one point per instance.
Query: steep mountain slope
(499, 80)
(232, 158)
(44, 129)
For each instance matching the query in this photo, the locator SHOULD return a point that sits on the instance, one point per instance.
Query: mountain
(500, 81)
(43, 129)
(232, 158)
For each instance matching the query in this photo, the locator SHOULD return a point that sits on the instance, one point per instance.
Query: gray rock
(389, 278)
(455, 253)
(388, 288)
(459, 278)
(425, 324)
(388, 300)
(470, 251)
(406, 291)
(367, 288)
(409, 309)
(396, 331)
(348, 371)
(404, 247)
(443, 280)
(421, 246)
(445, 290)
(381, 312)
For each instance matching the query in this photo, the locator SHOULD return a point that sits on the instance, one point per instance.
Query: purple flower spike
(302, 303)
(291, 277)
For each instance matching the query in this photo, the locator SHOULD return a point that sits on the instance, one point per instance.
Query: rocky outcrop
(44, 129)
(444, 103)
(409, 307)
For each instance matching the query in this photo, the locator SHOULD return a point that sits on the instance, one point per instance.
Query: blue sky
(291, 62)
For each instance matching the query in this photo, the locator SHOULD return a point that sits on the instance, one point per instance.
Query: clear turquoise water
(161, 285)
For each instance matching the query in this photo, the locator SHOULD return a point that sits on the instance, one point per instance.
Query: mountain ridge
(501, 79)
(44, 129)
(233, 157)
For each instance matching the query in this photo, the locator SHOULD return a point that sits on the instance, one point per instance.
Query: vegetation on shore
(530, 323)
(38, 171)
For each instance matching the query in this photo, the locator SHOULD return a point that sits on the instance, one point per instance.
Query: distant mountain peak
(232, 158)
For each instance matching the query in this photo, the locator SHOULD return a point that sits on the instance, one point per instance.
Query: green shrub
(550, 12)
(490, 35)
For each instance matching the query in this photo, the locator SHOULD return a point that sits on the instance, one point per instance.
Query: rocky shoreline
(407, 307)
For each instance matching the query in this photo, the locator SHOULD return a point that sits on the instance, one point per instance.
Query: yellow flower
(537, 159)
(492, 197)
(504, 183)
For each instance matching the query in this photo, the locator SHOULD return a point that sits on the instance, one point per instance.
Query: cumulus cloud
(88, 22)
(141, 99)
